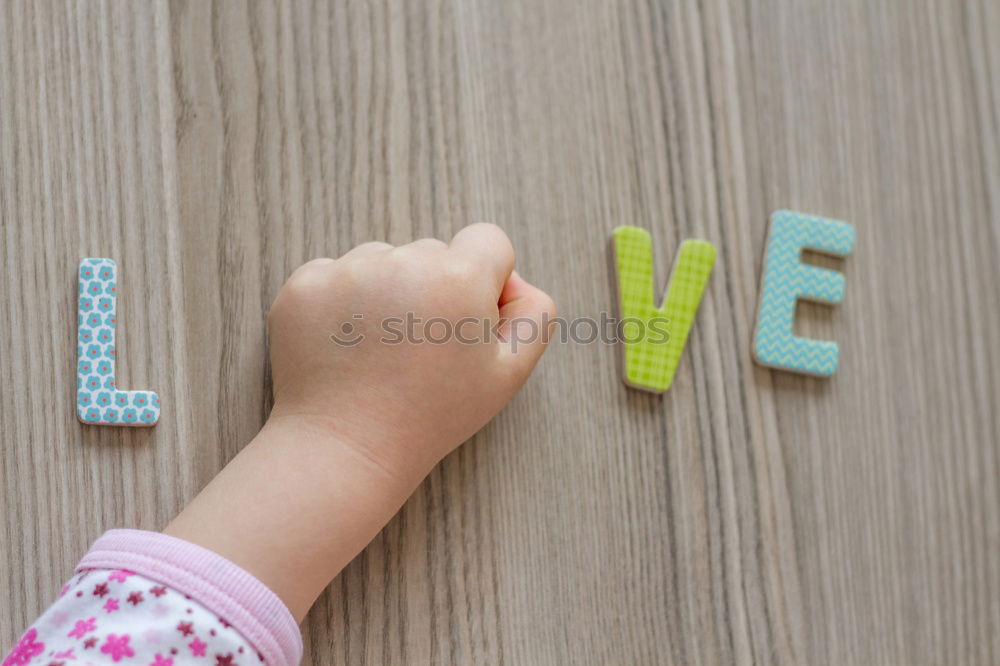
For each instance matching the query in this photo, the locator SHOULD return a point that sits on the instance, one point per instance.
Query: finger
(528, 314)
(369, 248)
(487, 247)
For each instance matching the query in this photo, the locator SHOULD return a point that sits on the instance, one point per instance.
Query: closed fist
(405, 352)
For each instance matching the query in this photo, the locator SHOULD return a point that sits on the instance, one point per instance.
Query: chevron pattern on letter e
(786, 279)
(654, 337)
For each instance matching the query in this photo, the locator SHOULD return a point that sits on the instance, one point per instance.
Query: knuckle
(459, 271)
(549, 304)
(354, 273)
(430, 243)
(497, 234)
(488, 227)
(308, 278)
(370, 246)
(312, 266)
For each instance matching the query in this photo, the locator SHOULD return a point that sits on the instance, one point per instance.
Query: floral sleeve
(150, 600)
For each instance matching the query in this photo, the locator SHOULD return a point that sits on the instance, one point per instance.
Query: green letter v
(654, 337)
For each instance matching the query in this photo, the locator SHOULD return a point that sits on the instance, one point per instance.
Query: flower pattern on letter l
(99, 401)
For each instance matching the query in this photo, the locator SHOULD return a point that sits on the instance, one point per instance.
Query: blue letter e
(786, 279)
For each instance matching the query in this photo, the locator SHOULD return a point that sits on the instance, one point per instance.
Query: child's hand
(358, 423)
(394, 350)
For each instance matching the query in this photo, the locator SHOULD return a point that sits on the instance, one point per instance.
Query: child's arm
(355, 429)
(358, 423)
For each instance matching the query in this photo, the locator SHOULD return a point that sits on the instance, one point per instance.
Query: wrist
(373, 450)
(294, 507)
(382, 432)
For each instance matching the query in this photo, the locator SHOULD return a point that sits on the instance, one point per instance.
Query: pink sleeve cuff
(215, 582)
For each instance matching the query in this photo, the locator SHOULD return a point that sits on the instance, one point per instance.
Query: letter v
(650, 357)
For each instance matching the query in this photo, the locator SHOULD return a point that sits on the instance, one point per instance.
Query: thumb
(527, 314)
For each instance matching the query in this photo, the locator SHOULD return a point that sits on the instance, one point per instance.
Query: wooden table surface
(746, 516)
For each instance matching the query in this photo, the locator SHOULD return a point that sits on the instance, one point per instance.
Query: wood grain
(747, 516)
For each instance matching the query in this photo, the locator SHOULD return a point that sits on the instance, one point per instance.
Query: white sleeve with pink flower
(117, 616)
(168, 603)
